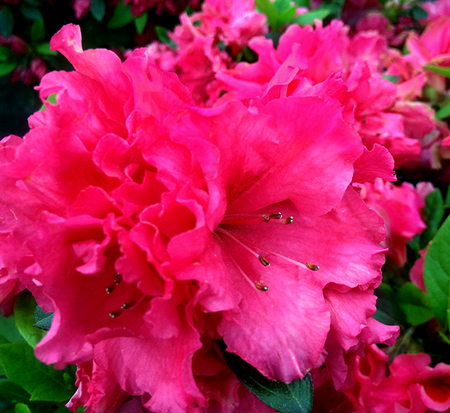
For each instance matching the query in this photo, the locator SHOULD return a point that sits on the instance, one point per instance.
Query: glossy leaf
(43, 382)
(434, 212)
(444, 71)
(163, 36)
(294, 397)
(437, 272)
(21, 408)
(443, 112)
(415, 304)
(12, 391)
(6, 68)
(24, 311)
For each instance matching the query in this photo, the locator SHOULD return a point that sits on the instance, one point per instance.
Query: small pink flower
(400, 208)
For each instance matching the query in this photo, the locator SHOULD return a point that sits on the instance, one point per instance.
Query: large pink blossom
(156, 228)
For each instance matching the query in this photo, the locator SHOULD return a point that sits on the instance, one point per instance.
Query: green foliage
(98, 9)
(414, 304)
(444, 71)
(30, 12)
(391, 78)
(388, 310)
(121, 16)
(6, 22)
(437, 273)
(294, 397)
(278, 13)
(42, 320)
(140, 22)
(308, 18)
(163, 36)
(24, 311)
(443, 112)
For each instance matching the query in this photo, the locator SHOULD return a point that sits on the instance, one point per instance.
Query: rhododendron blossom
(154, 228)
(400, 207)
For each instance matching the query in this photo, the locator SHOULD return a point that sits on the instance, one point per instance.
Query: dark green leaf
(447, 198)
(5, 53)
(6, 22)
(434, 212)
(121, 16)
(303, 3)
(388, 311)
(9, 330)
(163, 36)
(43, 320)
(140, 22)
(43, 382)
(418, 13)
(37, 31)
(415, 304)
(6, 68)
(445, 71)
(98, 9)
(282, 5)
(24, 311)
(443, 112)
(308, 18)
(391, 78)
(437, 272)
(30, 13)
(267, 7)
(295, 397)
(33, 3)
(22, 408)
(12, 391)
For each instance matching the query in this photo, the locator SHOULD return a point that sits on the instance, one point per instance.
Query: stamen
(277, 215)
(129, 304)
(249, 219)
(254, 285)
(218, 229)
(289, 220)
(115, 313)
(263, 260)
(312, 267)
(117, 278)
(110, 288)
(260, 286)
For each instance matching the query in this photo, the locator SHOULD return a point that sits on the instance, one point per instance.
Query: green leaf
(6, 68)
(294, 397)
(163, 37)
(21, 408)
(24, 311)
(415, 304)
(43, 382)
(267, 7)
(447, 198)
(121, 17)
(303, 3)
(418, 13)
(308, 18)
(391, 78)
(434, 212)
(33, 3)
(98, 9)
(12, 391)
(6, 22)
(5, 53)
(37, 31)
(443, 112)
(30, 13)
(44, 320)
(140, 22)
(9, 330)
(44, 49)
(388, 311)
(445, 71)
(437, 272)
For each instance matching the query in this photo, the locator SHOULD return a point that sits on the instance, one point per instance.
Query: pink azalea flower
(157, 227)
(436, 9)
(400, 207)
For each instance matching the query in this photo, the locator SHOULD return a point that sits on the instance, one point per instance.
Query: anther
(260, 286)
(312, 267)
(115, 313)
(117, 278)
(263, 260)
(265, 218)
(110, 288)
(276, 215)
(287, 220)
(129, 304)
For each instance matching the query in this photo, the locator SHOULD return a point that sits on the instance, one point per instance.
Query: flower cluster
(232, 190)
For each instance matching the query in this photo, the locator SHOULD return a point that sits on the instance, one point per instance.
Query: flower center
(253, 219)
(125, 306)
